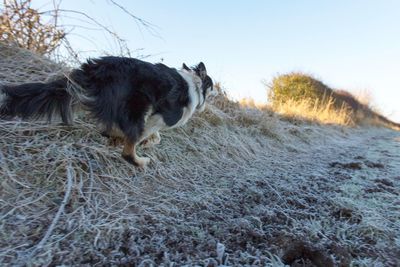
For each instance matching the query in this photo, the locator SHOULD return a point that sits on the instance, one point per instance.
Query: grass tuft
(315, 111)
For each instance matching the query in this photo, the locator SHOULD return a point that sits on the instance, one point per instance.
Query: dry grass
(20, 65)
(314, 111)
(236, 186)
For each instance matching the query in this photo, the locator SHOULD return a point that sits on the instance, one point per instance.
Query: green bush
(297, 86)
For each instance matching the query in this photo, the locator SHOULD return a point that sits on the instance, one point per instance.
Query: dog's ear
(185, 67)
(201, 70)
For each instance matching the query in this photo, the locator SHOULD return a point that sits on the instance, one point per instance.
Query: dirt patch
(347, 215)
(385, 182)
(350, 165)
(301, 253)
(357, 165)
(374, 165)
(382, 186)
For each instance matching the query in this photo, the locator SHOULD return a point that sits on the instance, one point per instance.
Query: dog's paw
(152, 140)
(149, 143)
(141, 162)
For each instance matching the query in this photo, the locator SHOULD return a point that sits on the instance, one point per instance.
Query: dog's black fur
(118, 92)
(124, 89)
(35, 100)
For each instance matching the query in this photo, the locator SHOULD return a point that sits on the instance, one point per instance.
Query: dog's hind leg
(129, 154)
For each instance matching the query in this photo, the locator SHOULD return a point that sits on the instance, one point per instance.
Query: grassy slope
(235, 186)
(301, 95)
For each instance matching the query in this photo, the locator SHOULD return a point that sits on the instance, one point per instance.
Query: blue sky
(352, 45)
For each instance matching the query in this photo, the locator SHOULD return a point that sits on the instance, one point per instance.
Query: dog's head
(207, 87)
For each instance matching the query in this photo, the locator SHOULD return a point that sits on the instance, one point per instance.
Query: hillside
(235, 187)
(298, 94)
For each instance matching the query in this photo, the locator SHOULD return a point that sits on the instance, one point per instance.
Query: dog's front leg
(150, 135)
(152, 126)
(129, 154)
(152, 140)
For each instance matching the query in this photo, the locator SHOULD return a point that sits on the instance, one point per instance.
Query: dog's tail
(37, 100)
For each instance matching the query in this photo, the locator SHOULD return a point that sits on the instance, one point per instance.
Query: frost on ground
(233, 187)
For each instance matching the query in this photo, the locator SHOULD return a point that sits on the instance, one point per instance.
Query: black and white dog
(130, 98)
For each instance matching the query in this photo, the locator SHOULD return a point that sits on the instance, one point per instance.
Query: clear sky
(348, 44)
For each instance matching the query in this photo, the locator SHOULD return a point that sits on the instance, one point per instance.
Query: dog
(128, 97)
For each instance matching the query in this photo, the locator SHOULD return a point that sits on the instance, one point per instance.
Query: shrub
(298, 87)
(297, 95)
(23, 25)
